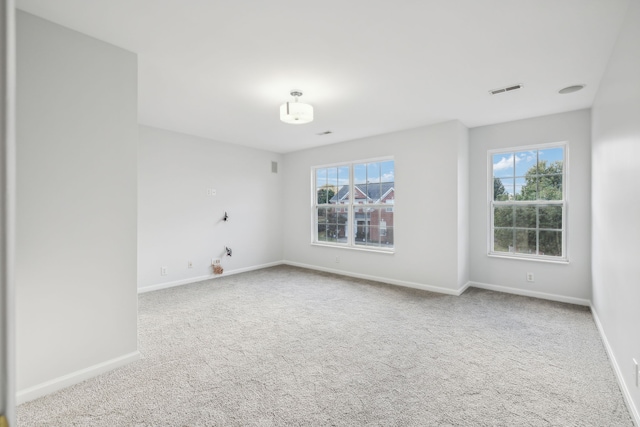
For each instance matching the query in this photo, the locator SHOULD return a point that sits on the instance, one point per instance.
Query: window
(354, 204)
(527, 195)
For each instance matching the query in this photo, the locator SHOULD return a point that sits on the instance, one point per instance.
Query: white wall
(7, 211)
(76, 205)
(463, 205)
(178, 222)
(616, 204)
(428, 184)
(570, 282)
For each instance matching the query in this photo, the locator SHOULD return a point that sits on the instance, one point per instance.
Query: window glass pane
(502, 188)
(386, 226)
(333, 218)
(322, 215)
(525, 176)
(525, 242)
(373, 173)
(528, 188)
(503, 240)
(322, 232)
(524, 191)
(503, 165)
(332, 176)
(322, 224)
(342, 196)
(374, 192)
(387, 171)
(503, 216)
(374, 236)
(321, 177)
(360, 193)
(335, 196)
(321, 185)
(551, 217)
(550, 160)
(525, 163)
(360, 174)
(362, 222)
(326, 195)
(373, 239)
(342, 216)
(550, 187)
(550, 243)
(343, 176)
(379, 222)
(526, 216)
(387, 239)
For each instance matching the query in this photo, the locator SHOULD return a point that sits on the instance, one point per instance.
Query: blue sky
(363, 172)
(512, 167)
(507, 165)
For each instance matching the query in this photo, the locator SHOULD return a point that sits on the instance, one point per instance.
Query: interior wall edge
(175, 283)
(626, 393)
(76, 377)
(387, 280)
(534, 294)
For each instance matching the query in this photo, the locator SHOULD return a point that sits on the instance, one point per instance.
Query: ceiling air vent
(505, 89)
(326, 132)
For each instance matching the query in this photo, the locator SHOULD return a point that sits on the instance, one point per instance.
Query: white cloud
(505, 163)
(387, 177)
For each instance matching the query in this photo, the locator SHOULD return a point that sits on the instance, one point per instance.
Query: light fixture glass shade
(296, 113)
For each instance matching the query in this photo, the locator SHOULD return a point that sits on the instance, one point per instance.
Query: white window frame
(564, 203)
(350, 243)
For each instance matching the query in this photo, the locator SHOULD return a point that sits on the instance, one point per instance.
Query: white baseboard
(166, 285)
(387, 280)
(464, 288)
(74, 378)
(534, 294)
(616, 369)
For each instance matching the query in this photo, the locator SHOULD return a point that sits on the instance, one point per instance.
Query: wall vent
(505, 89)
(274, 167)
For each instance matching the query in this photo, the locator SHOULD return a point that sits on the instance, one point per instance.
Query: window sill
(526, 258)
(356, 248)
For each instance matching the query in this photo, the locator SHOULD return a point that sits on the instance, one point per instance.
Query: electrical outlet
(338, 260)
(530, 277)
(189, 264)
(215, 261)
(163, 270)
(211, 191)
(636, 372)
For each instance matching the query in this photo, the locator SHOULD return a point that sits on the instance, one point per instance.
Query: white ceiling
(221, 68)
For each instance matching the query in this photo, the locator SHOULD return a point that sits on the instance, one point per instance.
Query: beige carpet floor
(291, 347)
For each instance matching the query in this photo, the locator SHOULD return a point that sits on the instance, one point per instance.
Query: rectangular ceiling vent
(505, 89)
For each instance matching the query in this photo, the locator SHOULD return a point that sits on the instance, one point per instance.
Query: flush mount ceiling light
(296, 113)
(571, 89)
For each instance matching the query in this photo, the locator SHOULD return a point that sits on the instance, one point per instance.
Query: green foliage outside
(331, 224)
(325, 195)
(518, 228)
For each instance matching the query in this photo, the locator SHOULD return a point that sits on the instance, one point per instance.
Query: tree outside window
(528, 203)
